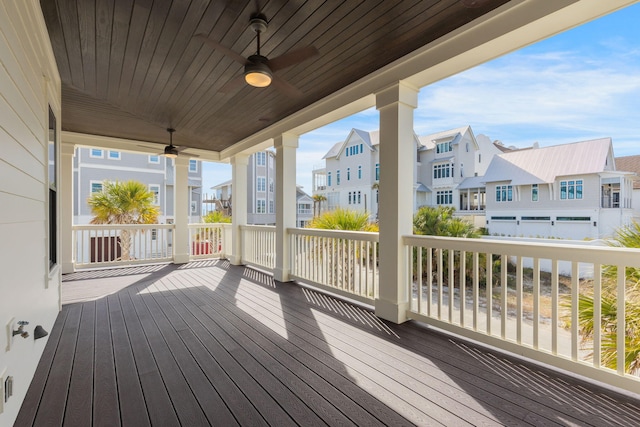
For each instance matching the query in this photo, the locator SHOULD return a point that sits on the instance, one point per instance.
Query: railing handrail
(367, 236)
(122, 226)
(603, 255)
(257, 227)
(193, 225)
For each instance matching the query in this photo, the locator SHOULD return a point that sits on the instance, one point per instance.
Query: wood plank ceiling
(132, 68)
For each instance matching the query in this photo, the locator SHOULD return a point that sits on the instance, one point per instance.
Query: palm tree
(212, 237)
(317, 201)
(629, 237)
(216, 217)
(343, 219)
(337, 258)
(439, 221)
(128, 202)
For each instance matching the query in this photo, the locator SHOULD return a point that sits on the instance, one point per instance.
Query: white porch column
(181, 210)
(66, 191)
(239, 164)
(396, 105)
(285, 145)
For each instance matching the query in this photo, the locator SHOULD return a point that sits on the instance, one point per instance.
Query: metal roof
(543, 165)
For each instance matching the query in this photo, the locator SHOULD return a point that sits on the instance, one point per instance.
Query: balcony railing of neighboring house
(343, 262)
(104, 245)
(259, 246)
(537, 314)
(208, 240)
(472, 207)
(303, 211)
(610, 202)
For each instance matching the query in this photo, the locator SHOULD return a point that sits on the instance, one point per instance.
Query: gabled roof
(420, 187)
(629, 164)
(429, 141)
(334, 150)
(543, 165)
(222, 184)
(370, 139)
(301, 193)
(472, 182)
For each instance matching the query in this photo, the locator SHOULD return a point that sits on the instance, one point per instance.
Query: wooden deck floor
(213, 344)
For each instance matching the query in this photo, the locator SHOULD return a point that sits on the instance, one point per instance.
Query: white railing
(259, 246)
(344, 262)
(554, 294)
(207, 240)
(105, 245)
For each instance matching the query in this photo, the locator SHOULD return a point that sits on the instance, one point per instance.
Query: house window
(534, 193)
(271, 207)
(349, 197)
(361, 149)
(193, 165)
(96, 187)
(261, 183)
(443, 170)
(348, 174)
(338, 177)
(444, 197)
(359, 172)
(194, 207)
(504, 193)
(479, 158)
(444, 147)
(359, 197)
(154, 159)
(261, 158)
(154, 234)
(328, 179)
(347, 151)
(53, 190)
(114, 155)
(95, 153)
(571, 189)
(377, 171)
(155, 189)
(261, 206)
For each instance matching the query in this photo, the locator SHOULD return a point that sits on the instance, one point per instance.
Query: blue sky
(579, 85)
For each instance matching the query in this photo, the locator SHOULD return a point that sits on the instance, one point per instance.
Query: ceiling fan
(258, 69)
(171, 151)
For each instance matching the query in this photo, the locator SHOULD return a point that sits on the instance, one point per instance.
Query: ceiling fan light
(257, 75)
(170, 151)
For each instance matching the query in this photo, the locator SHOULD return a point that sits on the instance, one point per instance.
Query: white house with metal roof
(565, 191)
(446, 165)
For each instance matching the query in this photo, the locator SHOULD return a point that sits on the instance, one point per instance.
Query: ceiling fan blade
(291, 58)
(232, 85)
(472, 4)
(286, 87)
(217, 46)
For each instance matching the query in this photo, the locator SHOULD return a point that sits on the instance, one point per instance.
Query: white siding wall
(29, 82)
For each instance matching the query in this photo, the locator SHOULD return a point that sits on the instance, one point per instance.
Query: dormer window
(444, 147)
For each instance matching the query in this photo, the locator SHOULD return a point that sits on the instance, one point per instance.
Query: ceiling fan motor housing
(258, 23)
